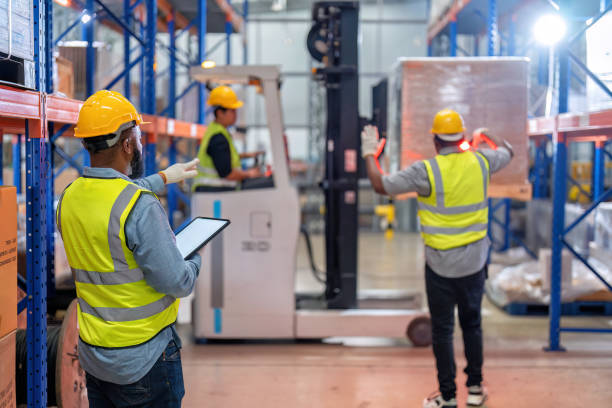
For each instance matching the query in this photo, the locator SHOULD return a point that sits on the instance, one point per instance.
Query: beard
(136, 165)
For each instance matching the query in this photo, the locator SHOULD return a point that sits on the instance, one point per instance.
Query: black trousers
(442, 296)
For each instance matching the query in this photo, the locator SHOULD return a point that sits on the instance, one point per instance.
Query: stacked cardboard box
(8, 294)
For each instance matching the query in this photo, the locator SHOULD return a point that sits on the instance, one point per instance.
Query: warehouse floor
(387, 373)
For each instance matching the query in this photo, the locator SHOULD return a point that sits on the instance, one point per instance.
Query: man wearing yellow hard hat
(128, 271)
(453, 212)
(220, 168)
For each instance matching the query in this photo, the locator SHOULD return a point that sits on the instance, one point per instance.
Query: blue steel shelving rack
(38, 119)
(597, 128)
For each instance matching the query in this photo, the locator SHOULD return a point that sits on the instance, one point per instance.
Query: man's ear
(126, 145)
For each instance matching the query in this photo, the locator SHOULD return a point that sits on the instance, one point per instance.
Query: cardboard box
(8, 260)
(487, 92)
(65, 76)
(545, 260)
(7, 371)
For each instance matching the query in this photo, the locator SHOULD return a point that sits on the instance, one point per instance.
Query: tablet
(197, 233)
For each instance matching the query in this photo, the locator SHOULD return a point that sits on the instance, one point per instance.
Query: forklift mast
(333, 41)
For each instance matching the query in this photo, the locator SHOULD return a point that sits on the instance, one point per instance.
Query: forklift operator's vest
(116, 306)
(456, 211)
(207, 173)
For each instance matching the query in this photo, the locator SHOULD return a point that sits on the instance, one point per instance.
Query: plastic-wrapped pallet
(539, 226)
(487, 92)
(603, 226)
(524, 283)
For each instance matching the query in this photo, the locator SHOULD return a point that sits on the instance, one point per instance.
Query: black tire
(419, 331)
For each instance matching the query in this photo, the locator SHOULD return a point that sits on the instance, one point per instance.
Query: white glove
(181, 171)
(369, 141)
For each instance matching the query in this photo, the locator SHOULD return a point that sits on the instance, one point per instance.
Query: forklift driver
(220, 168)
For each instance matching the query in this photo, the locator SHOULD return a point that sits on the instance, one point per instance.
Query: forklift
(246, 288)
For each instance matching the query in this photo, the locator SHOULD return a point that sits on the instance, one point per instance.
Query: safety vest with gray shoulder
(456, 211)
(116, 306)
(207, 173)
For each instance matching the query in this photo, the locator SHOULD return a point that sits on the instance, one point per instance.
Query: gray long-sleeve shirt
(455, 262)
(152, 241)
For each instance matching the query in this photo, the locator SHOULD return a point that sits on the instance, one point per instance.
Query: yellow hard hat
(448, 125)
(225, 97)
(105, 113)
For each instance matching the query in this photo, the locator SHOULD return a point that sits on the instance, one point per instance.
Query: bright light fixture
(549, 29)
(64, 3)
(208, 64)
(86, 18)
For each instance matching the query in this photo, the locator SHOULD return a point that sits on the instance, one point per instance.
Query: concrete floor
(367, 373)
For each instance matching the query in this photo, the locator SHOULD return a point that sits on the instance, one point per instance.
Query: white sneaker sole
(476, 401)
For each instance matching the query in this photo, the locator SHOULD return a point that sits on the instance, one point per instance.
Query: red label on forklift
(350, 161)
(350, 197)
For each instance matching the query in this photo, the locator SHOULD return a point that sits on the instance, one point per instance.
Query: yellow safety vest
(116, 306)
(207, 173)
(456, 212)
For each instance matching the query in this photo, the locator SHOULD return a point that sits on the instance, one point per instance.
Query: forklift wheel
(419, 331)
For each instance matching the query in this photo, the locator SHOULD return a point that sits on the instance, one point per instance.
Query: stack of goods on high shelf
(16, 43)
(522, 286)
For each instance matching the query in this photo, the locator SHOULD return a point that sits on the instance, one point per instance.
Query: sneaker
(436, 401)
(477, 395)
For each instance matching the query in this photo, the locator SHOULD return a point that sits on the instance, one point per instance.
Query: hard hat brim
(453, 137)
(235, 105)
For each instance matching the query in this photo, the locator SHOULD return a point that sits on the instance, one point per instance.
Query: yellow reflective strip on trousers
(456, 212)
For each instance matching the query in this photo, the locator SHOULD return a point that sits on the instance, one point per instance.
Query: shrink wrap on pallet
(487, 92)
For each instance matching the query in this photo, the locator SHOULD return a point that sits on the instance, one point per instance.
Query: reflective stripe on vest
(116, 306)
(207, 172)
(456, 212)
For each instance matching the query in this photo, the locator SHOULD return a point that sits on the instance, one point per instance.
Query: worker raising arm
(127, 268)
(453, 212)
(220, 168)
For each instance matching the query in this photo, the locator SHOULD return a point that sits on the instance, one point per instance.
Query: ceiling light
(549, 29)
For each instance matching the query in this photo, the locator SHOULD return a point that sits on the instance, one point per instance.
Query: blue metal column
(149, 80)
(598, 170)
(172, 69)
(430, 49)
(36, 261)
(17, 162)
(48, 78)
(228, 37)
(453, 37)
(559, 197)
(142, 83)
(36, 226)
(127, 17)
(476, 45)
(492, 28)
(201, 58)
(88, 35)
(172, 188)
(558, 225)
